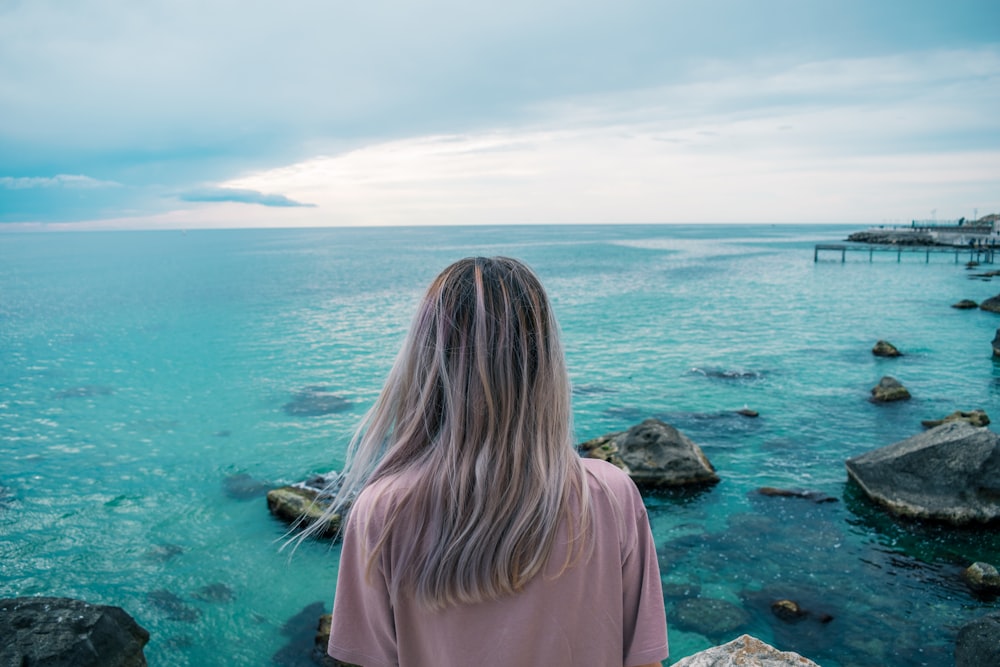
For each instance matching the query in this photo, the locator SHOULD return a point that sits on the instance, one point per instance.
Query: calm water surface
(146, 380)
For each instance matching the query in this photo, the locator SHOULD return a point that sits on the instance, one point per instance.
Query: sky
(117, 114)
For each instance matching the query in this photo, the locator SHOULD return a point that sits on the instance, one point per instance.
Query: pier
(981, 255)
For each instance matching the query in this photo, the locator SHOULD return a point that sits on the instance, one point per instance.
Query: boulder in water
(889, 389)
(982, 578)
(301, 506)
(965, 304)
(745, 650)
(978, 642)
(991, 304)
(62, 632)
(654, 454)
(996, 344)
(884, 348)
(974, 417)
(950, 473)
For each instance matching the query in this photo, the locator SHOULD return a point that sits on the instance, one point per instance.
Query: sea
(154, 385)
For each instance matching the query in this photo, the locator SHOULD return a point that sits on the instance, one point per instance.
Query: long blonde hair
(478, 405)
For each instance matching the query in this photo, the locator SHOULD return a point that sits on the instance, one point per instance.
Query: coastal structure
(980, 239)
(961, 233)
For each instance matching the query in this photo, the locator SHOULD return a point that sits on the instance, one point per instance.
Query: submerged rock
(709, 616)
(173, 606)
(950, 473)
(62, 632)
(889, 389)
(742, 651)
(965, 304)
(241, 486)
(815, 496)
(884, 348)
(654, 454)
(315, 401)
(996, 344)
(974, 417)
(217, 592)
(978, 642)
(86, 391)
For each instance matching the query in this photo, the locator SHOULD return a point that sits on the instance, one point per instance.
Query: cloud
(59, 180)
(165, 96)
(830, 141)
(241, 196)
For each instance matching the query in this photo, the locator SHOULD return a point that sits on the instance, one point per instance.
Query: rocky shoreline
(948, 474)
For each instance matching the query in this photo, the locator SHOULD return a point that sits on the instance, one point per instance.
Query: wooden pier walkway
(980, 255)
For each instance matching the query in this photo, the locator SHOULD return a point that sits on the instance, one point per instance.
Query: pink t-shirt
(606, 612)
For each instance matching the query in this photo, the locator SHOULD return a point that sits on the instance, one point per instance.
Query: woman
(478, 536)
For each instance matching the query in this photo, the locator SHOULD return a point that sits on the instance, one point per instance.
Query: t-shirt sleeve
(362, 630)
(643, 615)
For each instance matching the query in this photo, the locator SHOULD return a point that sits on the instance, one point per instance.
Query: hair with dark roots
(477, 405)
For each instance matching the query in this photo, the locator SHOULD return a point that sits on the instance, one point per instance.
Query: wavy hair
(477, 405)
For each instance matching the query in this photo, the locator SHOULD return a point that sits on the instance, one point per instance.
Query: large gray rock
(62, 632)
(950, 473)
(654, 454)
(991, 304)
(742, 652)
(304, 503)
(978, 643)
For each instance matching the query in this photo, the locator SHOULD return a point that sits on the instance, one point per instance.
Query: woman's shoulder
(382, 495)
(602, 475)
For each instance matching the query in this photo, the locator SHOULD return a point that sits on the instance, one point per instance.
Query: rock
(815, 496)
(654, 454)
(889, 389)
(217, 592)
(991, 304)
(974, 417)
(965, 304)
(747, 412)
(996, 344)
(978, 642)
(907, 237)
(241, 486)
(173, 606)
(884, 348)
(315, 401)
(86, 391)
(745, 651)
(787, 610)
(982, 578)
(301, 506)
(950, 473)
(62, 632)
(709, 616)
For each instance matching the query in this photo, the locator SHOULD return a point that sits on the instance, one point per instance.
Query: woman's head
(482, 360)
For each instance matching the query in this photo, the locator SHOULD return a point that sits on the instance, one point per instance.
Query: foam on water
(144, 379)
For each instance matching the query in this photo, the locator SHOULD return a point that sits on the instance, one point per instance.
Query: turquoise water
(144, 378)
